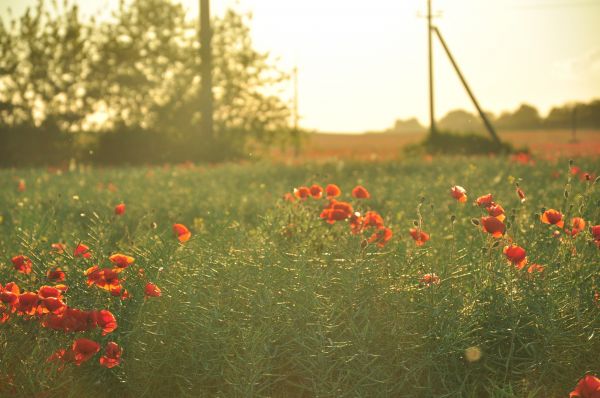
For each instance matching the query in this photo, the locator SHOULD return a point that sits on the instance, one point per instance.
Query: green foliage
(451, 143)
(581, 114)
(268, 300)
(138, 71)
(526, 117)
(44, 58)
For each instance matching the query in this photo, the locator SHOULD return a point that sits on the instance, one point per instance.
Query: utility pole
(296, 132)
(206, 96)
(486, 121)
(432, 128)
(431, 29)
(574, 123)
(296, 117)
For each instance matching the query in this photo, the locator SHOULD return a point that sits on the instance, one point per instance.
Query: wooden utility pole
(574, 123)
(486, 120)
(431, 29)
(296, 116)
(296, 131)
(206, 96)
(432, 128)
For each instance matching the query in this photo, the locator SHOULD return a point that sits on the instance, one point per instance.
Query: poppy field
(445, 277)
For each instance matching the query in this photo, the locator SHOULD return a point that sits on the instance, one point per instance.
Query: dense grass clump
(267, 299)
(455, 143)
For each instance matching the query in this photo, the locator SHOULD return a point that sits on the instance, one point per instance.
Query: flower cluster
(47, 305)
(493, 223)
(335, 210)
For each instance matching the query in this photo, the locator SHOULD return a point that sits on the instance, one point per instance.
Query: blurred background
(119, 82)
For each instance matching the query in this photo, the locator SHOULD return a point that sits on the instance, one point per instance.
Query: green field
(268, 300)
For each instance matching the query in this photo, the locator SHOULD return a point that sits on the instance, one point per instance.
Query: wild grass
(268, 300)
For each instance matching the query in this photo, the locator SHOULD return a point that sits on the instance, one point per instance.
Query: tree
(137, 73)
(525, 117)
(47, 88)
(460, 120)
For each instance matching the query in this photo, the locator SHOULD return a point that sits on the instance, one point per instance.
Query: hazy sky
(363, 64)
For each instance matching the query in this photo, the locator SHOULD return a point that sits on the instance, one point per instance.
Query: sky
(363, 64)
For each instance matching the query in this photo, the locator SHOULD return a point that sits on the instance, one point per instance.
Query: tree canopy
(135, 77)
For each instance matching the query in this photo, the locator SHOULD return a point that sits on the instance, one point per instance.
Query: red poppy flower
(578, 225)
(495, 210)
(121, 260)
(49, 291)
(120, 209)
(288, 197)
(522, 158)
(182, 233)
(521, 195)
(27, 303)
(372, 219)
(22, 263)
(52, 305)
(104, 278)
(516, 255)
(316, 191)
(381, 236)
(10, 293)
(430, 279)
(21, 186)
(332, 191)
(302, 192)
(151, 290)
(112, 355)
(485, 200)
(82, 251)
(587, 177)
(535, 268)
(58, 247)
(50, 300)
(588, 387)
(83, 349)
(71, 320)
(106, 321)
(419, 236)
(337, 211)
(493, 226)
(553, 217)
(360, 192)
(120, 291)
(575, 170)
(56, 275)
(459, 193)
(61, 287)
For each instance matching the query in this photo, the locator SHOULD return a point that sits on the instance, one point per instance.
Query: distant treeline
(127, 89)
(526, 117)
